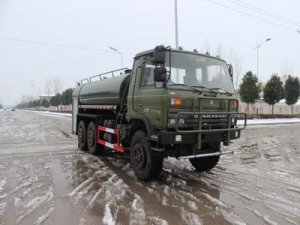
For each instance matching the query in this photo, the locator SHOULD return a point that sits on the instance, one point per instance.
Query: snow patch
(80, 186)
(26, 184)
(138, 215)
(190, 218)
(164, 201)
(214, 200)
(108, 218)
(232, 218)
(158, 221)
(94, 198)
(192, 205)
(35, 203)
(18, 203)
(81, 193)
(44, 217)
(82, 221)
(268, 220)
(2, 208)
(167, 190)
(2, 184)
(3, 196)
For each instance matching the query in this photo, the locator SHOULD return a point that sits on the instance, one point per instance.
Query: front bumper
(169, 137)
(204, 130)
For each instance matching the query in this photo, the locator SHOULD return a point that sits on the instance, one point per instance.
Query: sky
(75, 36)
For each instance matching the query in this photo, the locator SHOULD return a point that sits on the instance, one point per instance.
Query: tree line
(273, 91)
(64, 98)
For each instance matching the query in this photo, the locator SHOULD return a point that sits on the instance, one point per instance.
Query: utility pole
(257, 47)
(176, 26)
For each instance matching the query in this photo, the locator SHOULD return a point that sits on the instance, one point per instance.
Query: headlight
(181, 121)
(172, 121)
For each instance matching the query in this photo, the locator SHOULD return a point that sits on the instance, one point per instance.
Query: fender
(144, 119)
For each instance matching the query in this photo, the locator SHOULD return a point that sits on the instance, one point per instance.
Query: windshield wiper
(223, 90)
(206, 88)
(184, 85)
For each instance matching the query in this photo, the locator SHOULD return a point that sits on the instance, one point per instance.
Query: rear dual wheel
(92, 143)
(81, 134)
(87, 137)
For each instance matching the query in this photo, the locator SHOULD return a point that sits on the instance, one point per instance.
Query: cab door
(150, 97)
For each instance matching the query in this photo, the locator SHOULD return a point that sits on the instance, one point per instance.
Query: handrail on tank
(101, 74)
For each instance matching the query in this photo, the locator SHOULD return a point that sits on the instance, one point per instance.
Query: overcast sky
(132, 26)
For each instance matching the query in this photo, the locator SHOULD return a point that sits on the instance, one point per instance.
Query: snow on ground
(45, 179)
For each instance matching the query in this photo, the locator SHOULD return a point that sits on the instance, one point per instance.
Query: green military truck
(173, 103)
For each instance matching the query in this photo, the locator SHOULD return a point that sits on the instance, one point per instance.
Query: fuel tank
(108, 91)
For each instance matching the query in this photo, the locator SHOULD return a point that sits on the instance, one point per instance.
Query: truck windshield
(198, 71)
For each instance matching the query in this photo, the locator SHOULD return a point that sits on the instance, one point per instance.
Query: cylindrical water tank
(108, 91)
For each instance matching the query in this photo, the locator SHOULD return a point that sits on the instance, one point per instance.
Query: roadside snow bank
(270, 121)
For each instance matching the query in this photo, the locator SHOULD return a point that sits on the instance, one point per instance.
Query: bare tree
(207, 46)
(57, 85)
(287, 68)
(219, 51)
(236, 61)
(48, 86)
(26, 98)
(237, 65)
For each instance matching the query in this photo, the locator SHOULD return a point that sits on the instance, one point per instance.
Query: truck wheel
(82, 145)
(92, 144)
(145, 162)
(205, 164)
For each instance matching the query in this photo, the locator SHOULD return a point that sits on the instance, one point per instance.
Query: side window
(137, 69)
(148, 73)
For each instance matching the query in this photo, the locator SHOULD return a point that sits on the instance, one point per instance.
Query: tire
(91, 139)
(207, 163)
(82, 145)
(146, 163)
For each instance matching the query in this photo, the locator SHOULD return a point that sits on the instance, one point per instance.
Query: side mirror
(230, 70)
(159, 55)
(160, 74)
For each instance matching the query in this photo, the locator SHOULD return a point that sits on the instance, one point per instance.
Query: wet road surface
(45, 179)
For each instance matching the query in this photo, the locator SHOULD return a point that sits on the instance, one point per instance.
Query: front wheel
(145, 162)
(205, 164)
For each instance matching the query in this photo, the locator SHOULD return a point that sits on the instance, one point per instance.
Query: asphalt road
(45, 179)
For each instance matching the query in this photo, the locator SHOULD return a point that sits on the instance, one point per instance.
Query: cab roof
(150, 52)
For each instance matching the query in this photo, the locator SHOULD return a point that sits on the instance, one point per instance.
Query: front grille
(209, 121)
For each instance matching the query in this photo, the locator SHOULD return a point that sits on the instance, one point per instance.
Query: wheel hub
(91, 138)
(80, 135)
(139, 156)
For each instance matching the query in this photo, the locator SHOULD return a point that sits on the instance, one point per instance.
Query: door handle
(139, 104)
